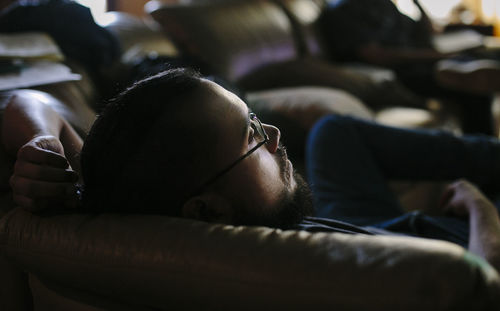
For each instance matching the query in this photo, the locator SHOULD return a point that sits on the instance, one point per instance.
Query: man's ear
(209, 207)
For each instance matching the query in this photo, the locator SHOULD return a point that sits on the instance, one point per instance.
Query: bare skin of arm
(42, 142)
(464, 199)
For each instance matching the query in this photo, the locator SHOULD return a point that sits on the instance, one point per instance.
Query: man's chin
(295, 204)
(301, 198)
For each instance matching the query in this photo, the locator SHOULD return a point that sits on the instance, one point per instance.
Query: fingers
(44, 173)
(448, 193)
(461, 197)
(36, 195)
(24, 202)
(38, 155)
(33, 205)
(41, 189)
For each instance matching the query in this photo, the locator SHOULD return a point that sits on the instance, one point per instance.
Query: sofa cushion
(165, 263)
(233, 37)
(306, 105)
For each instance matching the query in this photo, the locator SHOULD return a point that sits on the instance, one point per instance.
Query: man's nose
(274, 137)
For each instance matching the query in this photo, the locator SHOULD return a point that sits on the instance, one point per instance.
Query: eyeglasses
(260, 136)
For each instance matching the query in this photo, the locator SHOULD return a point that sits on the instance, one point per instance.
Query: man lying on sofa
(180, 145)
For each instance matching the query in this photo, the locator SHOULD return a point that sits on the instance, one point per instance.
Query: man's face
(262, 188)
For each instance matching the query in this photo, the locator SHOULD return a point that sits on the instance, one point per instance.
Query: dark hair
(141, 156)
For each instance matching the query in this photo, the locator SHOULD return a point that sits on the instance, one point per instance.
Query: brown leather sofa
(110, 262)
(129, 262)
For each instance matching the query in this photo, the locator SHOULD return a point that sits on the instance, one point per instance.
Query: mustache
(282, 157)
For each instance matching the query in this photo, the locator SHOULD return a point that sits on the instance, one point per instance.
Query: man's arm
(42, 141)
(462, 198)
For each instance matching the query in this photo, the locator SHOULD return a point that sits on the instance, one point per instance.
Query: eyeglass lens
(258, 127)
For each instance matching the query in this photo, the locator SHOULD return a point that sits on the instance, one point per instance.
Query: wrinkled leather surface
(235, 37)
(161, 262)
(14, 290)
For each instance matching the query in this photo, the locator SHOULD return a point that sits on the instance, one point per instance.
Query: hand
(42, 175)
(462, 198)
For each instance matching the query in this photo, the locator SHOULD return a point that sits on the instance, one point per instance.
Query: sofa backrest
(233, 37)
(112, 262)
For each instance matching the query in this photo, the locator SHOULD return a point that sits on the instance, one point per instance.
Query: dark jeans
(349, 162)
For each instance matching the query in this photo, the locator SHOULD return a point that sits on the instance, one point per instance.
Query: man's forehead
(224, 99)
(230, 114)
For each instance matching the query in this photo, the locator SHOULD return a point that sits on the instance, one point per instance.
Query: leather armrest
(161, 262)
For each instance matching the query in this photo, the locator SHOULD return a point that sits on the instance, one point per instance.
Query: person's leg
(349, 161)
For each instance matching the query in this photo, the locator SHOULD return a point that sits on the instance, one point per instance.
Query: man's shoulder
(317, 224)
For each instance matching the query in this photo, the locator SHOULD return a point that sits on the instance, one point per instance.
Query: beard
(293, 207)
